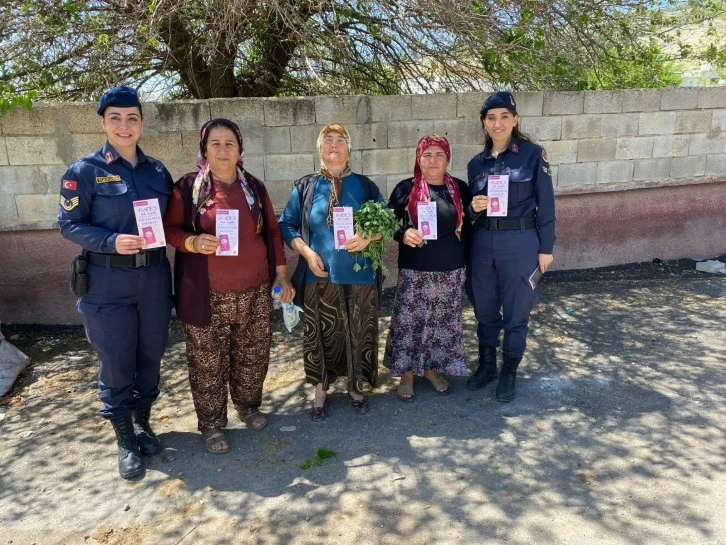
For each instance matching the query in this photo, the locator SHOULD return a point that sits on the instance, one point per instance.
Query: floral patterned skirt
(426, 324)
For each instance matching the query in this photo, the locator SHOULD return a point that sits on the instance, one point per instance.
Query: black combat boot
(129, 457)
(487, 370)
(507, 378)
(147, 440)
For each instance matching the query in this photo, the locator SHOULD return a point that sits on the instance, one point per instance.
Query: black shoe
(147, 440)
(129, 457)
(507, 378)
(487, 370)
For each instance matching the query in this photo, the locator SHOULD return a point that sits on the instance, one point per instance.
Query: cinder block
(693, 121)
(613, 125)
(52, 175)
(279, 194)
(436, 106)
(563, 102)
(688, 167)
(305, 138)
(614, 172)
(288, 167)
(652, 169)
(709, 143)
(355, 161)
(166, 147)
(390, 108)
(634, 147)
(381, 183)
(657, 123)
(579, 174)
(181, 116)
(177, 170)
(460, 157)
(580, 126)
(243, 111)
(259, 139)
(84, 144)
(22, 181)
(529, 104)
(670, 146)
(385, 161)
(458, 173)
(681, 98)
(392, 181)
(280, 112)
(641, 100)
(8, 208)
(32, 208)
(602, 102)
(33, 150)
(190, 148)
(3, 152)
(469, 104)
(712, 97)
(542, 128)
(561, 151)
(716, 165)
(554, 172)
(595, 150)
(369, 136)
(403, 134)
(340, 109)
(718, 120)
(41, 120)
(82, 117)
(460, 131)
(255, 164)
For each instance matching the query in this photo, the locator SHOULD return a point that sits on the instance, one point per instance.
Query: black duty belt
(507, 224)
(134, 261)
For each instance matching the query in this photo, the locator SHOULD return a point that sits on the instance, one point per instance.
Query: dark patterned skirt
(340, 334)
(426, 324)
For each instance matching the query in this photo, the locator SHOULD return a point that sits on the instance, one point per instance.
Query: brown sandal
(440, 384)
(213, 437)
(405, 392)
(359, 405)
(256, 421)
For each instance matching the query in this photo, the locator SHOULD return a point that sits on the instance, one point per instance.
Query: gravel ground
(617, 436)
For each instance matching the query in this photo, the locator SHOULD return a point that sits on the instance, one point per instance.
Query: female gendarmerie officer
(507, 250)
(127, 306)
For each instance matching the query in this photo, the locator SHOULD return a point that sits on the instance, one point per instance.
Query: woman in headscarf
(224, 270)
(340, 304)
(425, 336)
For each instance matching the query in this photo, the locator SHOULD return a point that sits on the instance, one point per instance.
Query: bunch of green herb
(320, 455)
(373, 218)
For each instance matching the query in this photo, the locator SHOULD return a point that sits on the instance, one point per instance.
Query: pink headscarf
(420, 190)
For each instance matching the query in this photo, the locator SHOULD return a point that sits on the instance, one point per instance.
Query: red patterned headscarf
(420, 190)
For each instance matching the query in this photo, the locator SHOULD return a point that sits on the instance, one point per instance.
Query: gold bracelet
(189, 244)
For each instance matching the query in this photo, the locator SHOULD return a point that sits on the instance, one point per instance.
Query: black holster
(79, 276)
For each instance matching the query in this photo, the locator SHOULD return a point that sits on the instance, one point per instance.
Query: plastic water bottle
(277, 297)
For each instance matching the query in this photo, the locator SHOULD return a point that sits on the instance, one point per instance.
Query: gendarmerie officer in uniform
(124, 291)
(507, 252)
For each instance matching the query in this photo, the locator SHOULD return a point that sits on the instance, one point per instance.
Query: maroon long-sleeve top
(245, 271)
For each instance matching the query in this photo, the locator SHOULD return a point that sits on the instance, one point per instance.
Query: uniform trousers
(498, 286)
(232, 351)
(126, 317)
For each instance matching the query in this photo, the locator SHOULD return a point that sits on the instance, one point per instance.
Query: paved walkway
(617, 436)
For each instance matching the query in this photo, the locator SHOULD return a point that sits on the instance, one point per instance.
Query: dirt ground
(617, 436)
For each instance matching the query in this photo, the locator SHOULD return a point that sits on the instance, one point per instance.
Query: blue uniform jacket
(97, 194)
(530, 185)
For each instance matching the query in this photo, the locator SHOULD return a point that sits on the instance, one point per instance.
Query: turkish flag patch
(70, 184)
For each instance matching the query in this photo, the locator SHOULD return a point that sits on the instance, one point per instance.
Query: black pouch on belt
(79, 276)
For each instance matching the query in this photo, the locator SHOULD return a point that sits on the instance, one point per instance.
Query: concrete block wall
(596, 141)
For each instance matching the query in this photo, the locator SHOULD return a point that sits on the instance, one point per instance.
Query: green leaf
(307, 465)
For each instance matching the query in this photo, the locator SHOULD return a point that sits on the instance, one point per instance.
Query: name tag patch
(107, 179)
(69, 204)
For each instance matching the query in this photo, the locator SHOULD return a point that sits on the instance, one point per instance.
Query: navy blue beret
(124, 97)
(501, 99)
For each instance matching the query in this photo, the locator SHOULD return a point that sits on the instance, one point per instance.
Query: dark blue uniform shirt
(97, 194)
(530, 185)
